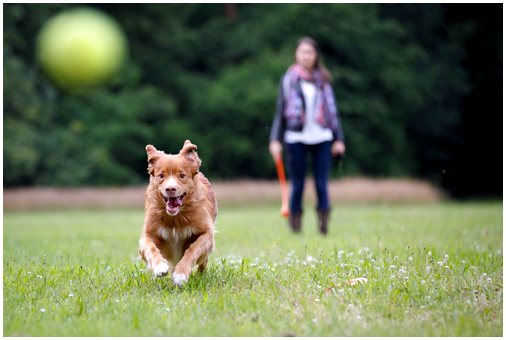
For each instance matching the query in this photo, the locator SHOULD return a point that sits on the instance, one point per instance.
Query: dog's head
(172, 175)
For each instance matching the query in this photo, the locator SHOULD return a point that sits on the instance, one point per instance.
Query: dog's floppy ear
(153, 156)
(189, 151)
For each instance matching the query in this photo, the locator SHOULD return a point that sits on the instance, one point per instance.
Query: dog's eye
(161, 176)
(182, 176)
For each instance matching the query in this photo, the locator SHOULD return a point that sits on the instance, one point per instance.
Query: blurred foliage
(209, 73)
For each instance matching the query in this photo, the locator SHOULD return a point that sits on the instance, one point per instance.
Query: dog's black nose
(171, 190)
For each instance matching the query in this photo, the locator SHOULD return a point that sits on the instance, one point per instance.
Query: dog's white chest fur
(175, 239)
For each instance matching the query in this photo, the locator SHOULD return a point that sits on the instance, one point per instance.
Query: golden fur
(180, 212)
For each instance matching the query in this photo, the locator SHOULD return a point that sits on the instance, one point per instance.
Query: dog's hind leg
(202, 264)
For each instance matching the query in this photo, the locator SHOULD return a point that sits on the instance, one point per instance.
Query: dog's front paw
(161, 269)
(179, 279)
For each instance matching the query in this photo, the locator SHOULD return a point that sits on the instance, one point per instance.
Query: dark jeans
(296, 155)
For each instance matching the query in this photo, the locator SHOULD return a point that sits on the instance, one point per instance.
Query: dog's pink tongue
(174, 202)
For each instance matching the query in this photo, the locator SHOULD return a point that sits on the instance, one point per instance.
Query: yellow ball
(81, 48)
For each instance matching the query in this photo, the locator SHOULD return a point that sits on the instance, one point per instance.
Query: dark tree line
(419, 88)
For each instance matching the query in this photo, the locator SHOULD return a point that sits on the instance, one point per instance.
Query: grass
(432, 270)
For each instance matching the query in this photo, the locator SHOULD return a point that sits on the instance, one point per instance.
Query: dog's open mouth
(173, 204)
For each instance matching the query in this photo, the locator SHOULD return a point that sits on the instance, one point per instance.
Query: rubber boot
(294, 221)
(323, 220)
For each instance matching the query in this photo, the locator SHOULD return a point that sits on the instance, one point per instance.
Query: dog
(180, 214)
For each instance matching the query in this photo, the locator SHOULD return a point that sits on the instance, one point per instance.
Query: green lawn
(432, 270)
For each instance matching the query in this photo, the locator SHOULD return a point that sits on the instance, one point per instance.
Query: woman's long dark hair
(318, 63)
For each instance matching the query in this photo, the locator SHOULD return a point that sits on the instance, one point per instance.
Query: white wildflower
(354, 282)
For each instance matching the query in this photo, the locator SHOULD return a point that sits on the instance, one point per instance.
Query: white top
(312, 133)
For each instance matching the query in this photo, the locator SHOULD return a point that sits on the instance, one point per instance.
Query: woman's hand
(275, 148)
(338, 148)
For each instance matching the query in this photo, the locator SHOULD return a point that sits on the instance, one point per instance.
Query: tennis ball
(80, 48)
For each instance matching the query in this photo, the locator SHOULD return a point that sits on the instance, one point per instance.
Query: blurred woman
(307, 122)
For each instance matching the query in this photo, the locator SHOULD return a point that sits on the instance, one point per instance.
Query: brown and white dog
(180, 212)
